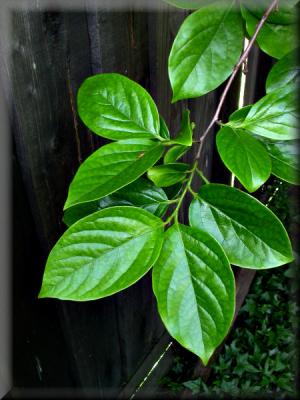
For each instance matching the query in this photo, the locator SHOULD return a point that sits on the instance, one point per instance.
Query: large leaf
(286, 13)
(274, 116)
(285, 72)
(185, 135)
(190, 4)
(285, 159)
(194, 287)
(111, 167)
(117, 108)
(168, 174)
(141, 193)
(205, 50)
(102, 254)
(244, 156)
(274, 39)
(251, 235)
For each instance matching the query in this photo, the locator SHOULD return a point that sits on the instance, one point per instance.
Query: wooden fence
(103, 348)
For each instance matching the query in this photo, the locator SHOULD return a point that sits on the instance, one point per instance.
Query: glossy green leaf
(190, 4)
(164, 130)
(251, 235)
(285, 72)
(274, 39)
(240, 114)
(274, 116)
(174, 153)
(111, 167)
(205, 50)
(185, 135)
(168, 174)
(285, 159)
(102, 254)
(117, 108)
(286, 13)
(244, 156)
(195, 291)
(140, 193)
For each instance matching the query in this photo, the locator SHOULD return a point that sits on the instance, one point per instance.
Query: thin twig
(244, 56)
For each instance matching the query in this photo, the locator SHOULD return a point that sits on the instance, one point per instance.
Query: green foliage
(117, 217)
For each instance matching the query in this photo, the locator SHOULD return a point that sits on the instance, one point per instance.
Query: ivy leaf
(140, 193)
(174, 153)
(244, 156)
(274, 116)
(274, 39)
(190, 4)
(117, 108)
(102, 254)
(168, 174)
(195, 291)
(111, 167)
(285, 72)
(251, 235)
(185, 135)
(164, 130)
(205, 50)
(285, 159)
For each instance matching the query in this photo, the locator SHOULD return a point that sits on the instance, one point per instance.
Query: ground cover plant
(121, 220)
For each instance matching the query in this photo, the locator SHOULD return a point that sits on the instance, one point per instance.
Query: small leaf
(102, 254)
(117, 108)
(174, 153)
(251, 235)
(185, 135)
(111, 167)
(194, 287)
(240, 114)
(164, 130)
(168, 174)
(190, 4)
(285, 159)
(274, 39)
(244, 156)
(274, 116)
(205, 50)
(140, 193)
(285, 72)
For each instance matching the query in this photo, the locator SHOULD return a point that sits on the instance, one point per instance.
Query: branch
(244, 56)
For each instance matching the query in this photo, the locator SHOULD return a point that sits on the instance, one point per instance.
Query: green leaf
(164, 130)
(244, 156)
(111, 167)
(251, 235)
(285, 72)
(190, 4)
(117, 108)
(185, 135)
(194, 287)
(102, 254)
(274, 39)
(274, 116)
(205, 50)
(174, 153)
(285, 159)
(140, 193)
(240, 114)
(168, 174)
(285, 15)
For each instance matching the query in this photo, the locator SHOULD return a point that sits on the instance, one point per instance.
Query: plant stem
(200, 173)
(244, 56)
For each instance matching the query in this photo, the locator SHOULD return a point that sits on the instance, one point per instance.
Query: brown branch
(244, 56)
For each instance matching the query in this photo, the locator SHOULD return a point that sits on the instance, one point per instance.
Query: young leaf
(185, 135)
(274, 39)
(111, 167)
(164, 130)
(168, 174)
(285, 159)
(174, 153)
(117, 108)
(190, 4)
(140, 193)
(205, 50)
(244, 156)
(285, 72)
(274, 116)
(251, 235)
(195, 291)
(102, 254)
